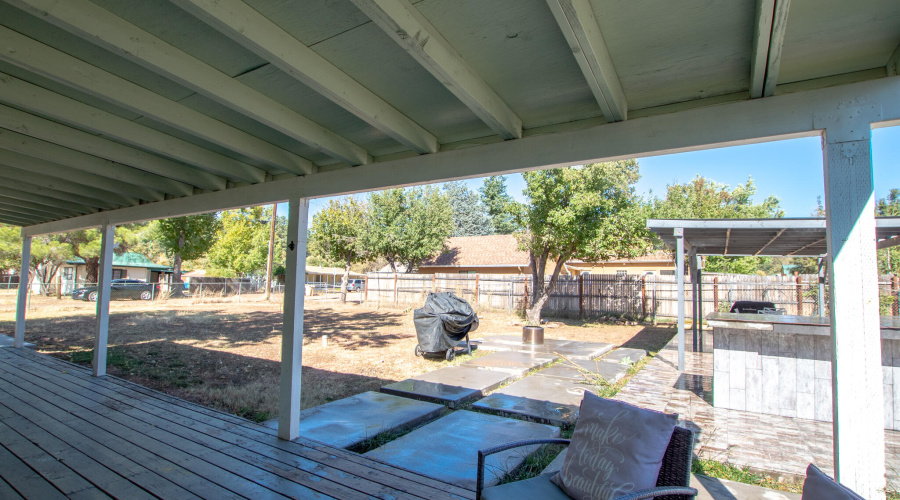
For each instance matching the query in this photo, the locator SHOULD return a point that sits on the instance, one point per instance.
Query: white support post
(857, 403)
(24, 283)
(679, 274)
(101, 338)
(292, 336)
(692, 267)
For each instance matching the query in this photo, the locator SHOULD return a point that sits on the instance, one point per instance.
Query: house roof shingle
(481, 251)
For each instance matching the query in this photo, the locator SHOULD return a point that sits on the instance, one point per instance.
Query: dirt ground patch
(225, 353)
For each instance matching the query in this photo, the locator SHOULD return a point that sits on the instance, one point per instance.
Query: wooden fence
(594, 295)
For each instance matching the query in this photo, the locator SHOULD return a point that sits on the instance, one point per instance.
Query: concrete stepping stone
(347, 422)
(541, 399)
(447, 448)
(452, 386)
(625, 355)
(515, 363)
(609, 371)
(569, 348)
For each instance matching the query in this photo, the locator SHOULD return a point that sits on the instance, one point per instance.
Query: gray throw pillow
(819, 485)
(616, 449)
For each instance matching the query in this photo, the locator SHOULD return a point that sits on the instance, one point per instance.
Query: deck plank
(239, 430)
(160, 434)
(25, 481)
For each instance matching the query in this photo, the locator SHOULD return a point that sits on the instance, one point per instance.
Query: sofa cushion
(536, 487)
(819, 485)
(616, 449)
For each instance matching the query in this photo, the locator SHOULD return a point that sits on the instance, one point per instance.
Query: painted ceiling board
(48, 34)
(274, 83)
(177, 27)
(372, 58)
(311, 21)
(520, 52)
(678, 50)
(828, 37)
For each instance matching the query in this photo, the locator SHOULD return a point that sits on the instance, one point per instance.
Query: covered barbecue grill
(442, 322)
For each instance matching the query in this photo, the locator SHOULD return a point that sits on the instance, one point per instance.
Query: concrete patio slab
(347, 422)
(570, 348)
(710, 488)
(6, 341)
(452, 386)
(515, 363)
(557, 463)
(611, 372)
(625, 353)
(446, 449)
(541, 399)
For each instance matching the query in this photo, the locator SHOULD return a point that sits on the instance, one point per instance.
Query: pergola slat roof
(109, 104)
(792, 237)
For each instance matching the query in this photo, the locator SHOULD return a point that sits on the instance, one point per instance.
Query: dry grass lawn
(225, 353)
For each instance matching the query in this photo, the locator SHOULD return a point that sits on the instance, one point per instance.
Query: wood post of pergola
(292, 334)
(104, 279)
(22, 301)
(679, 274)
(857, 402)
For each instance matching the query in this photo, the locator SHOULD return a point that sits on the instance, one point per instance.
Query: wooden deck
(66, 434)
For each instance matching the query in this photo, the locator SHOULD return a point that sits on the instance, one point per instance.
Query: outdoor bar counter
(781, 365)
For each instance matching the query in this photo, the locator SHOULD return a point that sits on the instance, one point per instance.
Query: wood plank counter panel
(781, 365)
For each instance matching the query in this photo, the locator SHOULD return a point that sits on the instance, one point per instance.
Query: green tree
(888, 206)
(185, 238)
(588, 212)
(10, 247)
(706, 199)
(336, 234)
(48, 254)
(470, 216)
(500, 205)
(242, 242)
(407, 226)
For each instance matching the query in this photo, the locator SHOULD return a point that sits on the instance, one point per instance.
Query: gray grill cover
(443, 321)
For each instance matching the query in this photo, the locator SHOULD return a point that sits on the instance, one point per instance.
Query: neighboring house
(494, 254)
(328, 275)
(500, 254)
(130, 265)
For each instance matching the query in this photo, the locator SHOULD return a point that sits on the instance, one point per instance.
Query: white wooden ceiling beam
(38, 170)
(37, 148)
(97, 25)
(409, 28)
(577, 22)
(731, 124)
(38, 100)
(15, 205)
(768, 40)
(72, 72)
(30, 189)
(21, 219)
(252, 30)
(63, 135)
(46, 200)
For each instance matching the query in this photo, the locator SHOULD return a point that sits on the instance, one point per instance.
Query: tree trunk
(344, 280)
(91, 269)
(540, 290)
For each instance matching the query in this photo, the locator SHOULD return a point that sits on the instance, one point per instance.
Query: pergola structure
(114, 111)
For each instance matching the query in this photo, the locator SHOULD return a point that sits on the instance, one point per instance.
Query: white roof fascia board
(409, 28)
(266, 39)
(744, 122)
(97, 25)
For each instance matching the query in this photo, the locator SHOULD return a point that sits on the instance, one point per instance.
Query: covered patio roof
(793, 237)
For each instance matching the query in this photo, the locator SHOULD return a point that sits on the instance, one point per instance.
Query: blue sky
(791, 170)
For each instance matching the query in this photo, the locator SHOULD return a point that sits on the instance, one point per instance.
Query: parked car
(120, 289)
(356, 285)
